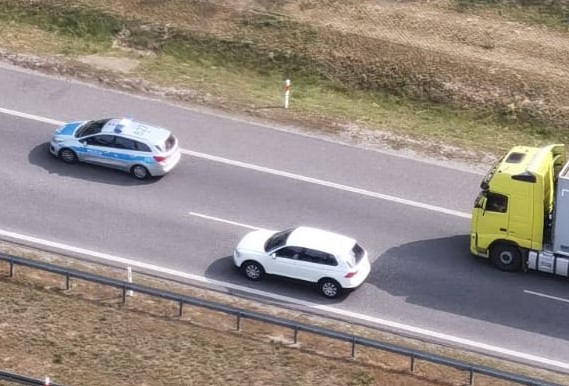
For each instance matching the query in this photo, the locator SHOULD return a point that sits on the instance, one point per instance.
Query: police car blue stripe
(114, 155)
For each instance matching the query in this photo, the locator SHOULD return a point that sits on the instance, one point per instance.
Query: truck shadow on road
(440, 274)
(40, 156)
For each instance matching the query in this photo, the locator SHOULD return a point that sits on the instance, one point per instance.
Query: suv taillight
(350, 274)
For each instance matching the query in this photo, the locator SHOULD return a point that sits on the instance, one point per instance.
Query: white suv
(333, 261)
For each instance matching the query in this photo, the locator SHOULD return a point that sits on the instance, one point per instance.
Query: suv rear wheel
(330, 288)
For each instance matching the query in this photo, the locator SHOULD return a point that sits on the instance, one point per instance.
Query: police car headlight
(58, 139)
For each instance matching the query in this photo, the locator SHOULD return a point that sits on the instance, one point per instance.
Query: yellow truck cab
(520, 218)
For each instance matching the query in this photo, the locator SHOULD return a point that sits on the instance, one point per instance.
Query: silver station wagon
(134, 147)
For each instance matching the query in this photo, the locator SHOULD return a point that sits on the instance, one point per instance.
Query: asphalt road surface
(411, 215)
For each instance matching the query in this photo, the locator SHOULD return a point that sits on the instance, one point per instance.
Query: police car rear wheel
(68, 156)
(140, 172)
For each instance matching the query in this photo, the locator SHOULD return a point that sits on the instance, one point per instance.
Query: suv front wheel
(252, 270)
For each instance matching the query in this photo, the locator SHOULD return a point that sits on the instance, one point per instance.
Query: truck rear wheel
(506, 257)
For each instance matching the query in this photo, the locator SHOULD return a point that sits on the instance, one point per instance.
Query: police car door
(97, 149)
(124, 153)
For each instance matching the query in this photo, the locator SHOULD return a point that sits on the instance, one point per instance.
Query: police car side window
(124, 143)
(141, 146)
(100, 140)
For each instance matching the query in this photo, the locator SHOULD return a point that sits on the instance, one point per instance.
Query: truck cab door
(492, 220)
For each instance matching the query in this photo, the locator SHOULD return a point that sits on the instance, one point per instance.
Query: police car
(134, 147)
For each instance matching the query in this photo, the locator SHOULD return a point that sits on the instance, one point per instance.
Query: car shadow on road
(40, 156)
(441, 274)
(223, 269)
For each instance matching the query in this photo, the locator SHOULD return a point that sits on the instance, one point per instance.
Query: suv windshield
(91, 127)
(277, 240)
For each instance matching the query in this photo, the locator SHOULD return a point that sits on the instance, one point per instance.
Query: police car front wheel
(68, 156)
(140, 172)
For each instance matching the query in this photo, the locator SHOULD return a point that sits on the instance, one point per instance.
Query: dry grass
(86, 336)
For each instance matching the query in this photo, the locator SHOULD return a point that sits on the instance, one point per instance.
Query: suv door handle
(503, 229)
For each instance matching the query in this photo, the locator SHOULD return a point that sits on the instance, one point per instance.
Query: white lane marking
(546, 296)
(326, 183)
(30, 116)
(280, 173)
(329, 309)
(223, 220)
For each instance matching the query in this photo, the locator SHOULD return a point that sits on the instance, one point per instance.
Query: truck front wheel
(506, 257)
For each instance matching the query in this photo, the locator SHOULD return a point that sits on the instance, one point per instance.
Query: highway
(412, 216)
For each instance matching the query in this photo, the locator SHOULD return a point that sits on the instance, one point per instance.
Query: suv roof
(321, 240)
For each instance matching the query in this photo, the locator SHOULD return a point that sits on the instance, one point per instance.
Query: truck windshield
(478, 203)
(485, 184)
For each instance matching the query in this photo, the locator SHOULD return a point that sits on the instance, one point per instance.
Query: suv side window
(319, 257)
(289, 253)
(100, 140)
(124, 143)
(496, 203)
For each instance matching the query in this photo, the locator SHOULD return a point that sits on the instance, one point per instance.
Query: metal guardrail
(24, 380)
(355, 341)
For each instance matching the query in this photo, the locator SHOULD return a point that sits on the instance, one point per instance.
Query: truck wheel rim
(506, 258)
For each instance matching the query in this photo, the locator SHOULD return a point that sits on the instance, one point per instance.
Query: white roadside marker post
(46, 381)
(129, 279)
(286, 93)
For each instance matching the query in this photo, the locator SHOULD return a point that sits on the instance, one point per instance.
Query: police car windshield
(91, 127)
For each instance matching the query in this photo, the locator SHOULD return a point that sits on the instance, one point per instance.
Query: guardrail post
(412, 362)
(471, 378)
(67, 286)
(295, 339)
(181, 310)
(238, 321)
(11, 274)
(124, 294)
(129, 279)
(354, 347)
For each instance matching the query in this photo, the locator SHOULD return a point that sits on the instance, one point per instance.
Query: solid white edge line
(30, 116)
(354, 315)
(223, 220)
(293, 176)
(546, 296)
